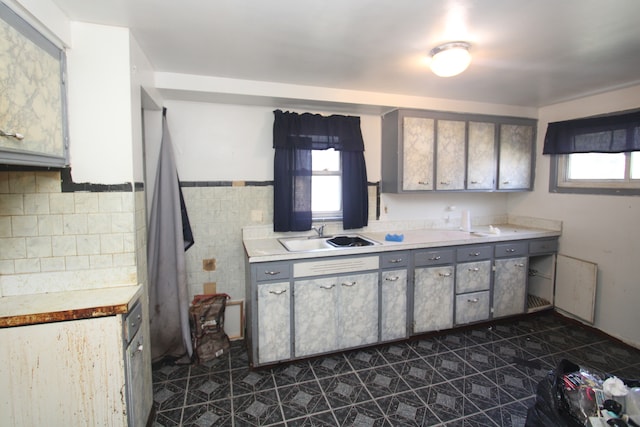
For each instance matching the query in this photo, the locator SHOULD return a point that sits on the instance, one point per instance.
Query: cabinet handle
(474, 269)
(506, 182)
(271, 273)
(475, 182)
(395, 261)
(511, 250)
(473, 300)
(435, 258)
(280, 292)
(474, 254)
(423, 182)
(445, 183)
(392, 279)
(445, 274)
(520, 265)
(327, 287)
(15, 135)
(349, 284)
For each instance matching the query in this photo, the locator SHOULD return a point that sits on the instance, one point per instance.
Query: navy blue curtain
(617, 133)
(294, 137)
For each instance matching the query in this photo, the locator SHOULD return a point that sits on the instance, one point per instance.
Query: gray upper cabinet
(418, 153)
(32, 112)
(516, 155)
(438, 151)
(481, 159)
(451, 150)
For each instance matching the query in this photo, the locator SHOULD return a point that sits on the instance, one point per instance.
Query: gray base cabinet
(274, 318)
(302, 308)
(393, 301)
(510, 287)
(433, 298)
(335, 313)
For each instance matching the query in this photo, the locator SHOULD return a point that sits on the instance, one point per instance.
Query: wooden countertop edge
(120, 303)
(61, 316)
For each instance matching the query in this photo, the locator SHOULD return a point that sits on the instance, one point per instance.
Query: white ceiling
(527, 53)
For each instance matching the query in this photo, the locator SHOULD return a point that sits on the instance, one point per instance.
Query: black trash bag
(555, 406)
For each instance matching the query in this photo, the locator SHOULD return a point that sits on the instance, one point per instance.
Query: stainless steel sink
(310, 244)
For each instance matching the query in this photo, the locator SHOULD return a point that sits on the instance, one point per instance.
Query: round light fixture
(450, 59)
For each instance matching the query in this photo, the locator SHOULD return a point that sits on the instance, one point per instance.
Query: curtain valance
(607, 134)
(316, 132)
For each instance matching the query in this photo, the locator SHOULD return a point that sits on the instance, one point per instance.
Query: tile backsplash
(53, 241)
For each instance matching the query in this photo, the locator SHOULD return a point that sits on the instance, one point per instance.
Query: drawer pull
(435, 258)
(423, 182)
(392, 279)
(475, 269)
(474, 254)
(327, 287)
(395, 261)
(475, 182)
(271, 273)
(473, 300)
(520, 265)
(506, 182)
(349, 284)
(511, 250)
(280, 292)
(15, 135)
(445, 274)
(445, 183)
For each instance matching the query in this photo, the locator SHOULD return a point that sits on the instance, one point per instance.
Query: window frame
(558, 183)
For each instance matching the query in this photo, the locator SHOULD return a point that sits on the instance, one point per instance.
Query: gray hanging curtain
(169, 237)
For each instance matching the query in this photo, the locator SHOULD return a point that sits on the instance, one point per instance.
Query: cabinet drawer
(543, 246)
(511, 249)
(437, 257)
(272, 271)
(473, 307)
(474, 253)
(394, 259)
(473, 276)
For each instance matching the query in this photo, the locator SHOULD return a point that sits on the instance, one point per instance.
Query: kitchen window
(319, 171)
(595, 155)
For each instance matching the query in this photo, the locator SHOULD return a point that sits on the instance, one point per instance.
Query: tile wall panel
(52, 241)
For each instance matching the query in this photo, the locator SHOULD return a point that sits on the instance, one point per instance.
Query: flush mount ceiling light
(450, 59)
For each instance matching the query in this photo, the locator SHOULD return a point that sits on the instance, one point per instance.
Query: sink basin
(349, 241)
(309, 244)
(305, 244)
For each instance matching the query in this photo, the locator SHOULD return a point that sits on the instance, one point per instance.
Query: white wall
(99, 95)
(600, 229)
(221, 142)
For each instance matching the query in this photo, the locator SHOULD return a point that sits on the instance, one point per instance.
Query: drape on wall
(169, 237)
(294, 137)
(617, 133)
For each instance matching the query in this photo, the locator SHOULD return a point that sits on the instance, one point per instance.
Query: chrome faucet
(319, 230)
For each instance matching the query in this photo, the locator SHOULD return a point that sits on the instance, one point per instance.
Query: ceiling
(525, 53)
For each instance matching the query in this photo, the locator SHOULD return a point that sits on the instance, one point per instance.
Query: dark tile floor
(480, 376)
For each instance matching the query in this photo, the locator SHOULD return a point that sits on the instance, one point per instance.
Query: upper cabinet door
(450, 164)
(481, 160)
(32, 119)
(516, 157)
(417, 160)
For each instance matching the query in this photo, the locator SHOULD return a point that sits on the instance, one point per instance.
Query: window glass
(326, 160)
(596, 166)
(635, 165)
(326, 185)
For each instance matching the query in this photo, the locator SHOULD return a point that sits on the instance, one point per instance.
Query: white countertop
(21, 310)
(270, 249)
